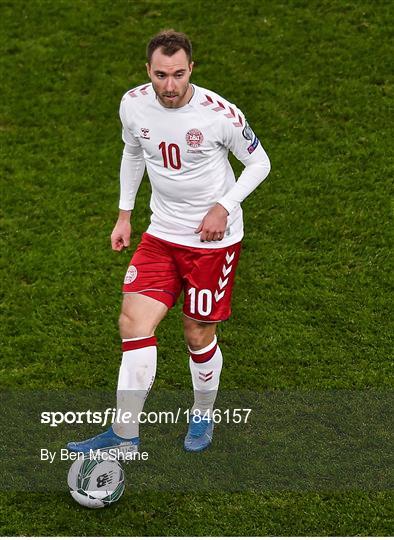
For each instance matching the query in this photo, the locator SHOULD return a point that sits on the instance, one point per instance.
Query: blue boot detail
(105, 442)
(199, 435)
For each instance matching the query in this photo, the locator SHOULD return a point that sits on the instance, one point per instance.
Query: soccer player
(182, 134)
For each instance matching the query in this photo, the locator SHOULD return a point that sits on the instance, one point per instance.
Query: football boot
(106, 442)
(199, 435)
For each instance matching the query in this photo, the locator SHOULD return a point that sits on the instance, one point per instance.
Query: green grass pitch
(312, 305)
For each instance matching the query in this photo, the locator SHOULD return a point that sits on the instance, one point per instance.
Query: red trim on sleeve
(139, 343)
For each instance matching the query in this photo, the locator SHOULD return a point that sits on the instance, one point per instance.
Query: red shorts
(161, 270)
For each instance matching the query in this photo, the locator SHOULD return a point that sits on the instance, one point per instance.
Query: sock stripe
(139, 343)
(205, 349)
(201, 358)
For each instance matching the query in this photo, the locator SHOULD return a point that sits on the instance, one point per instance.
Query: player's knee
(131, 326)
(140, 316)
(195, 343)
(199, 335)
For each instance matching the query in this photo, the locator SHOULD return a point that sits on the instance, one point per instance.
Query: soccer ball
(96, 482)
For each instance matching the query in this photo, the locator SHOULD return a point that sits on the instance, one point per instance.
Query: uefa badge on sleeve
(251, 137)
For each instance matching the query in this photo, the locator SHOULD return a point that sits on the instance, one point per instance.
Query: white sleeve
(132, 165)
(246, 147)
(131, 172)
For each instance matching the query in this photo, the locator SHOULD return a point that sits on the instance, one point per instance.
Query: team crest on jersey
(145, 133)
(131, 274)
(194, 138)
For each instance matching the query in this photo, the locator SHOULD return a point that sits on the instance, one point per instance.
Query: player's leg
(139, 318)
(205, 364)
(207, 301)
(140, 315)
(151, 287)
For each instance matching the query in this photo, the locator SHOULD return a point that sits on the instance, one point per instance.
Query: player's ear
(148, 69)
(191, 67)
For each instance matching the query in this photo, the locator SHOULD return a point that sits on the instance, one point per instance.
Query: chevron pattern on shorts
(223, 279)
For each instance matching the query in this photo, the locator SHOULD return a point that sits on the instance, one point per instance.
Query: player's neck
(189, 94)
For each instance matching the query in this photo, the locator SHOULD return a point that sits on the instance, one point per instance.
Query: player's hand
(120, 237)
(214, 224)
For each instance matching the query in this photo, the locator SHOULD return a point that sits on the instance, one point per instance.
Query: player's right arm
(131, 172)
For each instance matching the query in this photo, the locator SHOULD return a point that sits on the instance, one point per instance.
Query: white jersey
(185, 151)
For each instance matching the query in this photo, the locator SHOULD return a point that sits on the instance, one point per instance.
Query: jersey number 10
(171, 155)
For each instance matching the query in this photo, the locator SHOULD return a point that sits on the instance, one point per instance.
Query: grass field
(312, 305)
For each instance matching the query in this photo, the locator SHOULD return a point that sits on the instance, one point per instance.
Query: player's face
(170, 78)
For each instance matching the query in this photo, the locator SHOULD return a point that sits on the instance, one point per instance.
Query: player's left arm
(246, 147)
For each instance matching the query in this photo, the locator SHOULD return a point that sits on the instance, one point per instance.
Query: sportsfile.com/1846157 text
(111, 415)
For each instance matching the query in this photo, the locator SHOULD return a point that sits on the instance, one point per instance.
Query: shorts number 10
(204, 301)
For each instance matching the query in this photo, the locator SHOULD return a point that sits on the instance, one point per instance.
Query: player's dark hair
(170, 42)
